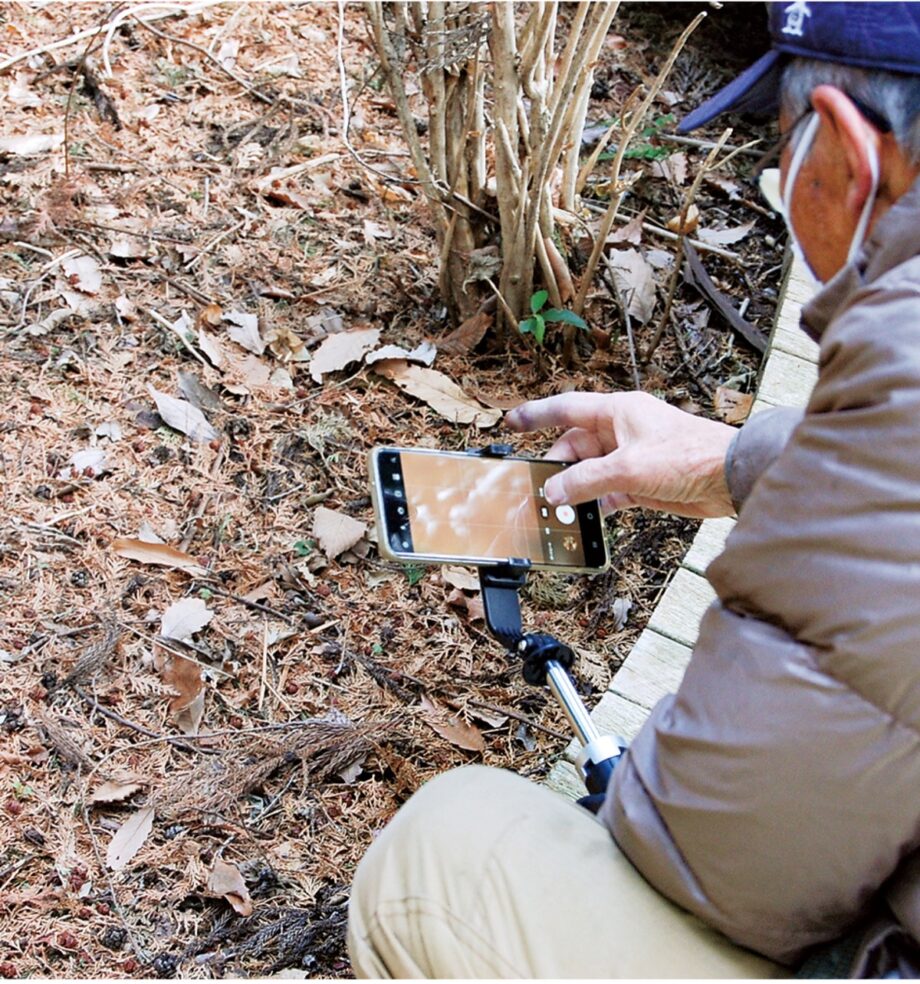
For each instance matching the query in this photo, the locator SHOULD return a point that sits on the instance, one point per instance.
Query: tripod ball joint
(536, 650)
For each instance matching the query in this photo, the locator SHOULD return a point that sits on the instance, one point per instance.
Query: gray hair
(892, 95)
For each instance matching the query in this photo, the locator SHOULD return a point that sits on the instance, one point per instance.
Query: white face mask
(801, 152)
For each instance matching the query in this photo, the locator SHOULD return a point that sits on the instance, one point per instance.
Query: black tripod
(546, 660)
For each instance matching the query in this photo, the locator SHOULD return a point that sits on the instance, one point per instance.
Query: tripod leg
(599, 756)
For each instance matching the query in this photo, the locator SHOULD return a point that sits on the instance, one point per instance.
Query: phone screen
(454, 505)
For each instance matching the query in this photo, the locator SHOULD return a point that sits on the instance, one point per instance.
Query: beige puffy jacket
(777, 794)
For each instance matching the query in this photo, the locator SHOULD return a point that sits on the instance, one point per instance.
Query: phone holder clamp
(546, 660)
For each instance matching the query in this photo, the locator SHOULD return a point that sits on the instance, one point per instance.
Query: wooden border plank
(791, 339)
(564, 779)
(652, 670)
(677, 614)
(708, 544)
(787, 380)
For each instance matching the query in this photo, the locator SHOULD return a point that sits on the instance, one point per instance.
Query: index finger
(563, 410)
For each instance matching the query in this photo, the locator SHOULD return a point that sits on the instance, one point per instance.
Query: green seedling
(22, 791)
(539, 319)
(414, 573)
(303, 548)
(645, 151)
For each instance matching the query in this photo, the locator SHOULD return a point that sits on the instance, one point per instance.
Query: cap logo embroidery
(795, 18)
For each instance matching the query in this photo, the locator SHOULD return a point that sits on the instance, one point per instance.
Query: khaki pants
(484, 874)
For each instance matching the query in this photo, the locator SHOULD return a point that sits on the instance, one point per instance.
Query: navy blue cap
(880, 36)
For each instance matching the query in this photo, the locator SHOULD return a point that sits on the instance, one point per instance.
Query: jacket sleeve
(778, 790)
(755, 447)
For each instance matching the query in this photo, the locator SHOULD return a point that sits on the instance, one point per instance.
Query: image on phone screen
(457, 506)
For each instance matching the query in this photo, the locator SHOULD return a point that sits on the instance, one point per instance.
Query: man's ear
(853, 134)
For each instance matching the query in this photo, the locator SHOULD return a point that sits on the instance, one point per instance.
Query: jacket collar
(894, 240)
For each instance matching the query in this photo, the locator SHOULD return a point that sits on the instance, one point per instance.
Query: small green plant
(414, 573)
(645, 151)
(539, 319)
(303, 548)
(22, 791)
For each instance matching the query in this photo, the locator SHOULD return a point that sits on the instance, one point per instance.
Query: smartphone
(442, 507)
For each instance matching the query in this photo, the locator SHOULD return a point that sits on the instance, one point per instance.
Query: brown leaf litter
(213, 692)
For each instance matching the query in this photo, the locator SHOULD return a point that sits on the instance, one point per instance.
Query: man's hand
(633, 450)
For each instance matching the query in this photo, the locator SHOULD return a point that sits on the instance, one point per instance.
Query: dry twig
(689, 198)
(618, 190)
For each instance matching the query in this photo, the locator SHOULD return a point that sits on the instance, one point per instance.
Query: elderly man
(769, 812)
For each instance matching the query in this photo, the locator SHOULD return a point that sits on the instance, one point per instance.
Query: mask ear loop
(798, 157)
(860, 233)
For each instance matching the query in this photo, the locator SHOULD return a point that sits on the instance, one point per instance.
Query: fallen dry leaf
(125, 308)
(725, 237)
(212, 349)
(261, 592)
(210, 316)
(691, 221)
(83, 272)
(281, 379)
(630, 234)
(129, 248)
(245, 331)
(451, 727)
(471, 604)
(636, 282)
(336, 532)
(339, 350)
(187, 706)
(155, 553)
(673, 168)
(114, 791)
(731, 406)
(184, 618)
(424, 354)
(695, 273)
(199, 395)
(374, 231)
(129, 838)
(30, 144)
(439, 392)
(182, 416)
(494, 719)
(731, 188)
(465, 338)
(91, 462)
(461, 577)
(19, 92)
(226, 881)
(188, 719)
